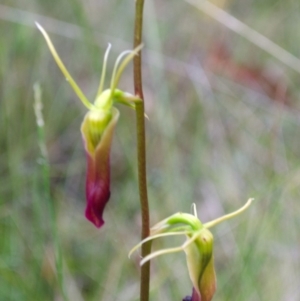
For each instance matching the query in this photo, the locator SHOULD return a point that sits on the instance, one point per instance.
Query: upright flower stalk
(141, 151)
(97, 128)
(198, 248)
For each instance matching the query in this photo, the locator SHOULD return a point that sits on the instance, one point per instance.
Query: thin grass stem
(45, 170)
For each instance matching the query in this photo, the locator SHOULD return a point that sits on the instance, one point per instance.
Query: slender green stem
(137, 62)
(141, 151)
(146, 248)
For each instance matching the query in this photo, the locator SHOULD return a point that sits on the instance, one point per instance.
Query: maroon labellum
(98, 168)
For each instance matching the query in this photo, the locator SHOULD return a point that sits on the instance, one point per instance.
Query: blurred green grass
(210, 140)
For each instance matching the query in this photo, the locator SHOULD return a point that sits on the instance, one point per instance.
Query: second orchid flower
(198, 248)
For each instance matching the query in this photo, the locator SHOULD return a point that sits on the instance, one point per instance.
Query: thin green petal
(228, 216)
(100, 89)
(154, 237)
(118, 70)
(64, 69)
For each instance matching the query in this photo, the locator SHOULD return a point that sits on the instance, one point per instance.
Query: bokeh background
(223, 126)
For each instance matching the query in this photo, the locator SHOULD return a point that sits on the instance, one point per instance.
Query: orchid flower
(198, 248)
(97, 128)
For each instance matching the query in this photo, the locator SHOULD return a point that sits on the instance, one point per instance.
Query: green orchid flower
(97, 128)
(198, 248)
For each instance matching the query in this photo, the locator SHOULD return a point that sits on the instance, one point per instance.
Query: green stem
(137, 62)
(146, 248)
(141, 151)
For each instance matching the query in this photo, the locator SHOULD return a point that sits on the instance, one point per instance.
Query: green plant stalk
(46, 187)
(137, 61)
(146, 249)
(141, 150)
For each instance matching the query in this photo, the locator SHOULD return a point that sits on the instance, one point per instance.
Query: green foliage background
(210, 140)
